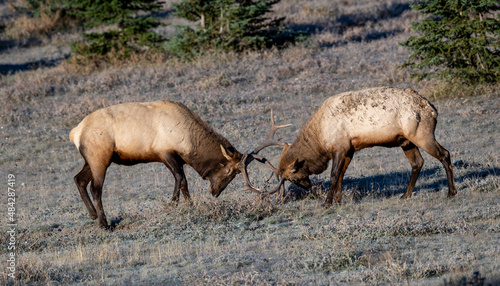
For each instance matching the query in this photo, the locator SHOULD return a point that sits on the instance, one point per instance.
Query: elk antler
(269, 140)
(249, 157)
(245, 161)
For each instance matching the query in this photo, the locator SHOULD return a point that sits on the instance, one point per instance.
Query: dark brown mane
(307, 147)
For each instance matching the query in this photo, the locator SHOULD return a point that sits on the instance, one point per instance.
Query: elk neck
(308, 147)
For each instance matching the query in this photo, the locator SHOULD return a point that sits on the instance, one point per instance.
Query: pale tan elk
(161, 131)
(351, 121)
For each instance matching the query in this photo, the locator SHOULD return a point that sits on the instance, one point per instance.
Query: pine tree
(129, 27)
(460, 39)
(226, 25)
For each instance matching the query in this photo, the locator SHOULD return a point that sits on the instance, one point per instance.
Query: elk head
(292, 169)
(221, 177)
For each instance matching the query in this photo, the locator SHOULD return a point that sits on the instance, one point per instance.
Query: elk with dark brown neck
(351, 121)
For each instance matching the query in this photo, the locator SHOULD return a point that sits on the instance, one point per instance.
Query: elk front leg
(184, 188)
(416, 161)
(340, 162)
(174, 163)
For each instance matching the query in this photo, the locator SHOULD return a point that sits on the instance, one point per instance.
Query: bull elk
(161, 131)
(352, 121)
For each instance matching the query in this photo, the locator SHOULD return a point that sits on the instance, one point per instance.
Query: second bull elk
(161, 131)
(352, 121)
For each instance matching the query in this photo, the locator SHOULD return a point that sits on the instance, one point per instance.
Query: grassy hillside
(372, 238)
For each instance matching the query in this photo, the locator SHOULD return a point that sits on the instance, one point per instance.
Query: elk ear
(227, 153)
(296, 165)
(285, 148)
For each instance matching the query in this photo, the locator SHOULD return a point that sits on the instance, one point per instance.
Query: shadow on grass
(388, 185)
(342, 23)
(14, 68)
(160, 14)
(5, 45)
(475, 280)
(113, 223)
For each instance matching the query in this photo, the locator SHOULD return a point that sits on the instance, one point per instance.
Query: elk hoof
(405, 196)
(326, 205)
(105, 227)
(451, 195)
(103, 224)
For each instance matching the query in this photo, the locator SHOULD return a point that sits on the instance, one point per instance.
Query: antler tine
(243, 168)
(265, 161)
(269, 141)
(245, 161)
(282, 181)
(275, 127)
(248, 158)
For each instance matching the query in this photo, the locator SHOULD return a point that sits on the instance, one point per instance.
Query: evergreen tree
(226, 25)
(129, 27)
(459, 39)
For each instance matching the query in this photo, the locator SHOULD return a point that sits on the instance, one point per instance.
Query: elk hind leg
(413, 154)
(82, 179)
(98, 175)
(437, 151)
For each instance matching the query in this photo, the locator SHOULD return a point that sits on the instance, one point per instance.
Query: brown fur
(351, 121)
(161, 131)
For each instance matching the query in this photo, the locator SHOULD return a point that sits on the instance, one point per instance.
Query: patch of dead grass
(26, 27)
(455, 89)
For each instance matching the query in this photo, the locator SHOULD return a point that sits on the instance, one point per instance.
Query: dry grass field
(372, 238)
